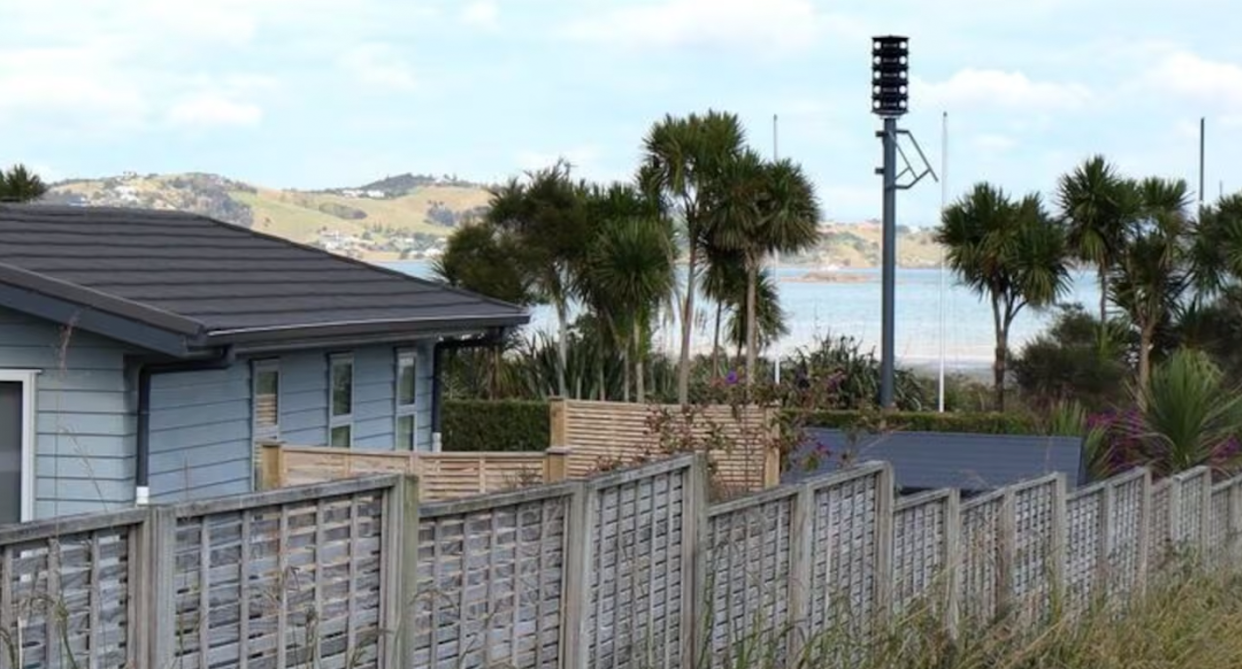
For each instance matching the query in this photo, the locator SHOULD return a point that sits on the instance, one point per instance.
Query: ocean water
(819, 309)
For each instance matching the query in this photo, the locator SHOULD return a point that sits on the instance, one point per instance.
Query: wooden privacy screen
(603, 433)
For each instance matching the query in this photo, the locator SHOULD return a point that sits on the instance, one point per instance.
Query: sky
(315, 94)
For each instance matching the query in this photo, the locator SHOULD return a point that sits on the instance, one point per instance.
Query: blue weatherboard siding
(200, 434)
(201, 422)
(86, 425)
(304, 396)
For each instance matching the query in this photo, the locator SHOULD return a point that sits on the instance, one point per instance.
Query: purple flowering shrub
(1122, 439)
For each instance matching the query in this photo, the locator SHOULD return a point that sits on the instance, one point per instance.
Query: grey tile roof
(190, 269)
(969, 462)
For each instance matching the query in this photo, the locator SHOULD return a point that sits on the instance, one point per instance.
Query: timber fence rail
(631, 569)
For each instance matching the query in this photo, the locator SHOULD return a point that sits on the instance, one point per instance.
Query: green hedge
(969, 423)
(502, 425)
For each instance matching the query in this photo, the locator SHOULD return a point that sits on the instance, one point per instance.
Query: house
(971, 463)
(143, 354)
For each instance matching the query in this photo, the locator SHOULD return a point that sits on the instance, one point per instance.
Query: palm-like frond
(1092, 201)
(19, 184)
(1011, 253)
(1191, 415)
(1216, 251)
(770, 317)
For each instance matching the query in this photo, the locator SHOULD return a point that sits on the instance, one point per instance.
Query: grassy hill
(408, 204)
(858, 245)
(400, 216)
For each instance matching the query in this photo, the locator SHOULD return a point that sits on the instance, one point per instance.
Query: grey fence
(293, 577)
(631, 569)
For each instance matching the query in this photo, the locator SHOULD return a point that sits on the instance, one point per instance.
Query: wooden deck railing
(441, 475)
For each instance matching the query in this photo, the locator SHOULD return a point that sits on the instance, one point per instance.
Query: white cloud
(80, 84)
(379, 65)
(581, 158)
(483, 14)
(208, 110)
(836, 199)
(998, 88)
(993, 143)
(1186, 74)
(765, 25)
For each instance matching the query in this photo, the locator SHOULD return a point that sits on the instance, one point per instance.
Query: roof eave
(360, 332)
(72, 315)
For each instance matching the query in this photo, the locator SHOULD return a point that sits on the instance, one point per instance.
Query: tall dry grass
(1187, 621)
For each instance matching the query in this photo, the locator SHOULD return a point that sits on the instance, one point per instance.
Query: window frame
(258, 367)
(29, 380)
(343, 420)
(403, 411)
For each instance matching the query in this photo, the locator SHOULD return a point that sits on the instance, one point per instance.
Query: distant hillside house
(144, 353)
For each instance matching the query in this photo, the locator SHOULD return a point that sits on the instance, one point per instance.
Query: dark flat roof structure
(176, 282)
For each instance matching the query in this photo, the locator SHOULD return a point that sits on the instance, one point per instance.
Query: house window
(341, 401)
(407, 365)
(266, 400)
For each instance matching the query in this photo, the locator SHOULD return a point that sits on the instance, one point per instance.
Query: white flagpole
(776, 267)
(944, 200)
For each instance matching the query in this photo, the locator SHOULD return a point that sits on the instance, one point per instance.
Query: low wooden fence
(441, 475)
(633, 568)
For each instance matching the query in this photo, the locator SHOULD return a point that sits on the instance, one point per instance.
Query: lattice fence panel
(748, 576)
(1034, 542)
(1218, 530)
(1158, 543)
(295, 584)
(634, 610)
(920, 549)
(489, 583)
(1125, 526)
(1084, 519)
(66, 596)
(1188, 528)
(981, 551)
(844, 553)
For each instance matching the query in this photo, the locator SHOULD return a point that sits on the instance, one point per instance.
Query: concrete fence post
(883, 559)
(575, 597)
(1060, 541)
(953, 561)
(694, 556)
(157, 594)
(801, 546)
(1007, 551)
(401, 565)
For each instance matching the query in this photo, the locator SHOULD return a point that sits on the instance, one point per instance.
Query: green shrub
(500, 425)
(912, 421)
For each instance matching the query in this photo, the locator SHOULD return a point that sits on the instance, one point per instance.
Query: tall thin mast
(944, 201)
